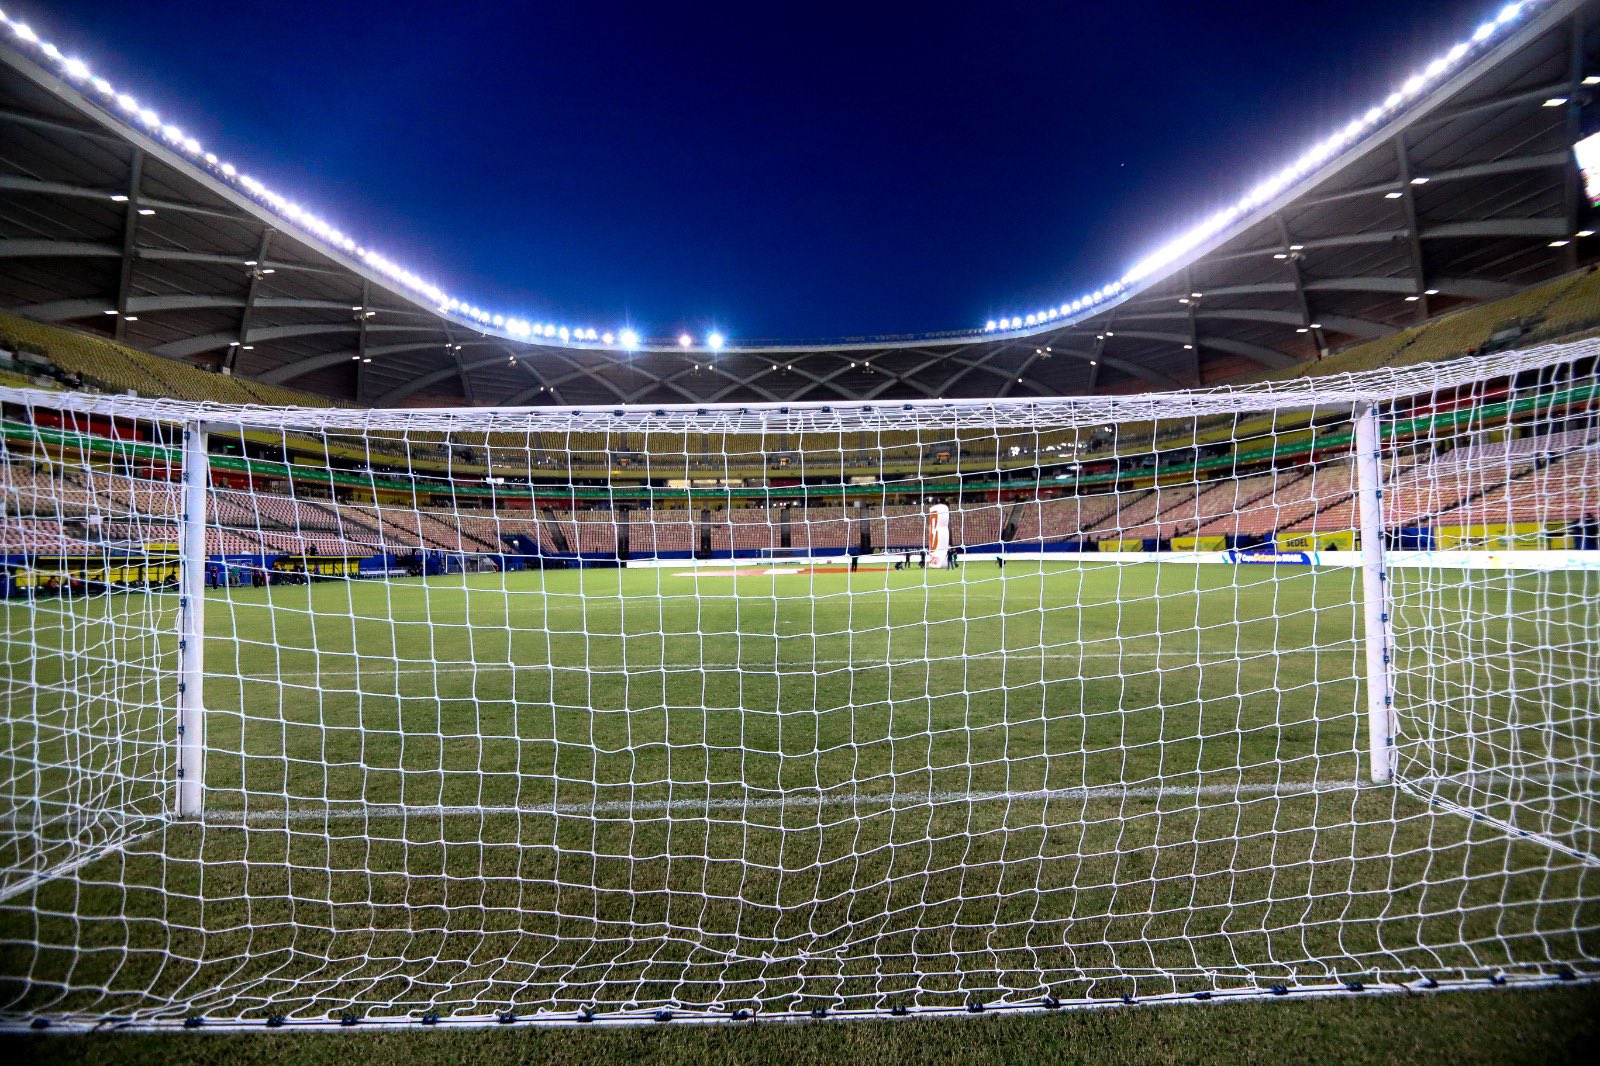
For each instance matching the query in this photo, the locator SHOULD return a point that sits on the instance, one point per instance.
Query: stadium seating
(1463, 485)
(38, 535)
(45, 490)
(735, 529)
(114, 367)
(1290, 496)
(1552, 494)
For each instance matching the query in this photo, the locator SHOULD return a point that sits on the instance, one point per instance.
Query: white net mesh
(557, 714)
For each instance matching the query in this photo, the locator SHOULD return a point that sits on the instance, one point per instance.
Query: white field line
(344, 810)
(295, 811)
(388, 667)
(880, 799)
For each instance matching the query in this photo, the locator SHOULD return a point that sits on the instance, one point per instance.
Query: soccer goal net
(318, 716)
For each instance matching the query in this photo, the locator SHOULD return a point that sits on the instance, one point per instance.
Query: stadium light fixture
(686, 341)
(1584, 233)
(147, 210)
(1555, 101)
(1419, 180)
(119, 198)
(111, 311)
(1561, 243)
(629, 339)
(1393, 195)
(715, 341)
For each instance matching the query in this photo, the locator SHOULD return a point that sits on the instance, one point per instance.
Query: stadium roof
(1460, 187)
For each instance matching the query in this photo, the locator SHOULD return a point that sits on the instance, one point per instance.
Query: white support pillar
(192, 624)
(1378, 626)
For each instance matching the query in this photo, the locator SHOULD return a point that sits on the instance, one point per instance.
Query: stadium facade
(1461, 187)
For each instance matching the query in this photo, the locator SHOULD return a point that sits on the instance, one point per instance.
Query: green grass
(627, 788)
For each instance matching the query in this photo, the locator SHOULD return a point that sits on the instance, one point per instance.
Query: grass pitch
(774, 791)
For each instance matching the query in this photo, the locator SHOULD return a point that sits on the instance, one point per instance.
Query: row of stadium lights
(1073, 310)
(137, 114)
(517, 328)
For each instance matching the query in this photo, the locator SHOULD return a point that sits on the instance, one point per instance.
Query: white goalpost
(318, 716)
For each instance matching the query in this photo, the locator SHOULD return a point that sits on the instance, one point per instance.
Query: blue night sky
(775, 170)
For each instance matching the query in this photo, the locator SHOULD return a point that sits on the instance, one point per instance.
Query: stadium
(1224, 632)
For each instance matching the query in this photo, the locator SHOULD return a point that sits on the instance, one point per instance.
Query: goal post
(1377, 636)
(191, 621)
(573, 715)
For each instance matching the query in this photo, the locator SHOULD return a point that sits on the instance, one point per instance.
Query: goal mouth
(330, 717)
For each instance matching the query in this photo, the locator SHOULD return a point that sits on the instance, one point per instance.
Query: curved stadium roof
(1458, 188)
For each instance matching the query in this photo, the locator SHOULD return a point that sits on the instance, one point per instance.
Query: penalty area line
(892, 800)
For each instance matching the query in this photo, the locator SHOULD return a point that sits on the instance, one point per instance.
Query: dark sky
(778, 170)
